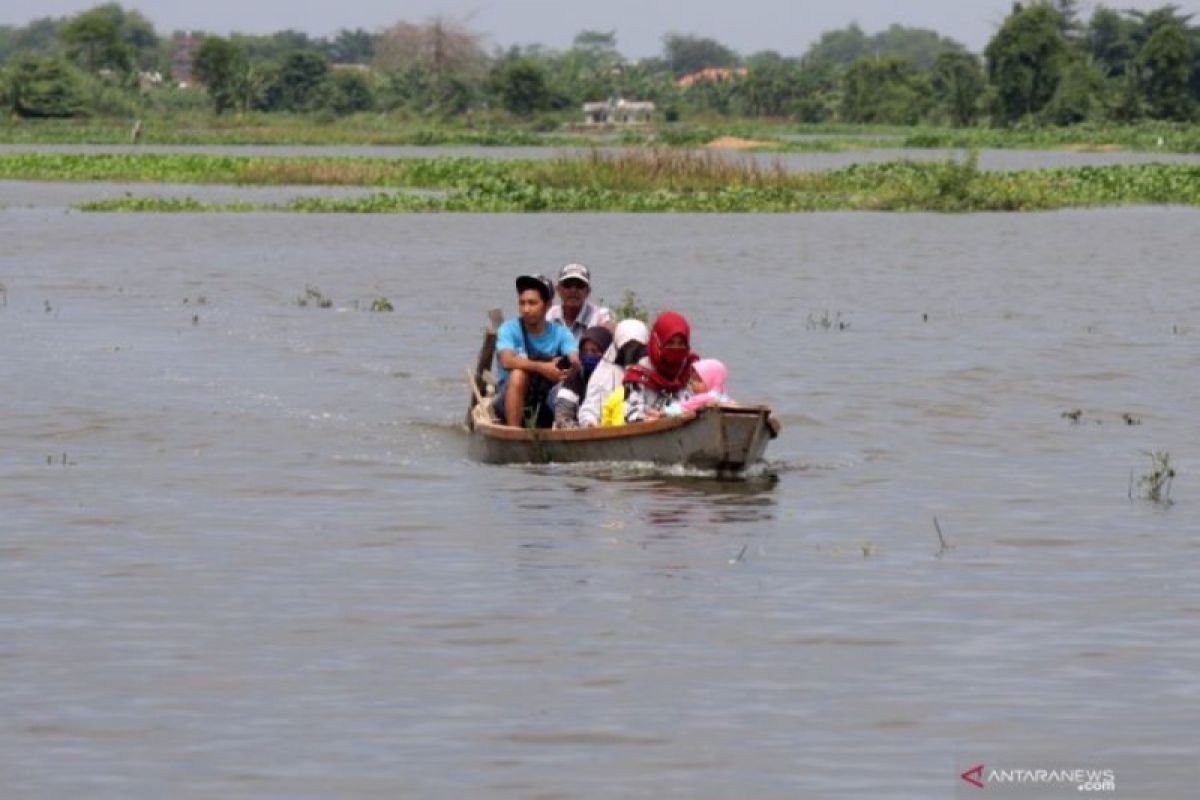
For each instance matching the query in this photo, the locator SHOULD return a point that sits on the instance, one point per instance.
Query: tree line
(1045, 65)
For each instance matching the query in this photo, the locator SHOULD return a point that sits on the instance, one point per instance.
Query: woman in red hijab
(662, 377)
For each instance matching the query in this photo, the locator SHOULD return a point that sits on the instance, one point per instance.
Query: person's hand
(652, 414)
(551, 372)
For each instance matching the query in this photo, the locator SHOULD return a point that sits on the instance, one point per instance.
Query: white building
(618, 111)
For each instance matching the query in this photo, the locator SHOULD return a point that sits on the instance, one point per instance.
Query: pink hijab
(713, 373)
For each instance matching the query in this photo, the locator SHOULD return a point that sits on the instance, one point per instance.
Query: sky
(747, 26)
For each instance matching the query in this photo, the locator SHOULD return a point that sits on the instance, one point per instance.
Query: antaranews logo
(1081, 779)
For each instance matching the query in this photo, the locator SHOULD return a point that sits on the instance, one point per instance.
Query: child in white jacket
(628, 347)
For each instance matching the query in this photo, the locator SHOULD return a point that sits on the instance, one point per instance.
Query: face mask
(632, 355)
(589, 362)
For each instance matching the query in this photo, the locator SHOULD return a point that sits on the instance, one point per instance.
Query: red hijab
(672, 367)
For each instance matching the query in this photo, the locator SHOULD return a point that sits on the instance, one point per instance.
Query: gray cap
(576, 271)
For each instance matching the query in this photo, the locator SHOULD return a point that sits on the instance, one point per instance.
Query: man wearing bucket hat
(534, 356)
(574, 311)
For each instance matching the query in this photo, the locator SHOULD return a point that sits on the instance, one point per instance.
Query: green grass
(247, 170)
(197, 128)
(670, 181)
(190, 127)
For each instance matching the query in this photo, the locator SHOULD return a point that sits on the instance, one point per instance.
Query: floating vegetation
(1156, 484)
(208, 168)
(1146, 136)
(484, 129)
(631, 307)
(162, 205)
(178, 128)
(381, 304)
(647, 180)
(1075, 414)
(1130, 419)
(826, 322)
(312, 295)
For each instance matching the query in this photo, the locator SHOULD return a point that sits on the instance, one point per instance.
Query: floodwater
(242, 553)
(990, 159)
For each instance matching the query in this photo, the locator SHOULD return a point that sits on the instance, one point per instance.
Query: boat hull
(726, 438)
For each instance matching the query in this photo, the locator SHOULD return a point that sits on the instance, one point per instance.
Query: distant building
(618, 111)
(181, 62)
(711, 75)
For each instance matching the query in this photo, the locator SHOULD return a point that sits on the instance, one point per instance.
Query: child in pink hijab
(707, 385)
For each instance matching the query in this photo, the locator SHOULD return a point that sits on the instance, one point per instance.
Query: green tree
(717, 96)
(918, 46)
(108, 37)
(221, 66)
(1109, 40)
(839, 47)
(301, 80)
(599, 46)
(1128, 104)
(521, 86)
(1078, 96)
(958, 84)
(591, 70)
(350, 92)
(1068, 19)
(273, 47)
(40, 86)
(884, 90)
(351, 47)
(39, 36)
(1165, 67)
(843, 47)
(1024, 62)
(770, 86)
(687, 54)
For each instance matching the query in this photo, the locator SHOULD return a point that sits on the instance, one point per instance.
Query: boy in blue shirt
(534, 355)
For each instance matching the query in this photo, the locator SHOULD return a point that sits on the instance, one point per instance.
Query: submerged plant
(826, 322)
(314, 296)
(631, 307)
(1157, 482)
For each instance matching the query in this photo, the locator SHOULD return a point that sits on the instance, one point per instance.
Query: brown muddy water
(242, 553)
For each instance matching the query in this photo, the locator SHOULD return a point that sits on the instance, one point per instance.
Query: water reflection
(630, 495)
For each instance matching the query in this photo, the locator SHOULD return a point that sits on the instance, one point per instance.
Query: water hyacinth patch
(645, 180)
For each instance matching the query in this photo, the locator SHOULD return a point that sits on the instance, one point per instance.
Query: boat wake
(763, 471)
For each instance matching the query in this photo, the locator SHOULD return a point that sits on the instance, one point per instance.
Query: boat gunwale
(494, 430)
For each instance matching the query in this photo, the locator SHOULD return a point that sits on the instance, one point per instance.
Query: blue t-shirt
(556, 341)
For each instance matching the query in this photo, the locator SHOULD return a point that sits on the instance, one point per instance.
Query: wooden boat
(728, 437)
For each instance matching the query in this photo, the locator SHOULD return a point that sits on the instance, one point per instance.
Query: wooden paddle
(487, 352)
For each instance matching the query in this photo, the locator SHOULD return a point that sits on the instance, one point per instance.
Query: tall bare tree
(443, 48)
